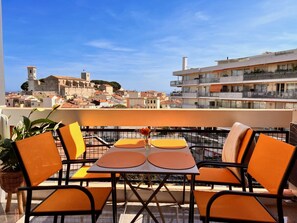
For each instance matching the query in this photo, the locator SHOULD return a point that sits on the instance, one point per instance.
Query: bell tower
(85, 75)
(31, 77)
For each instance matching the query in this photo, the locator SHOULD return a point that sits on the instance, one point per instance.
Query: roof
(266, 58)
(69, 105)
(66, 78)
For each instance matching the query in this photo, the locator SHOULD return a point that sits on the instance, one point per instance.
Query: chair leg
(93, 218)
(20, 202)
(125, 191)
(184, 190)
(8, 202)
(24, 198)
(27, 218)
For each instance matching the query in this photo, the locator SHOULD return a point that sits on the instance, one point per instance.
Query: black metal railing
(270, 75)
(212, 137)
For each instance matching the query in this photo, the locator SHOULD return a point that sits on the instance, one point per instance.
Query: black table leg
(191, 205)
(114, 197)
(145, 204)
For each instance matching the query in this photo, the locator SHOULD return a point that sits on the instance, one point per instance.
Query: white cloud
(201, 16)
(107, 45)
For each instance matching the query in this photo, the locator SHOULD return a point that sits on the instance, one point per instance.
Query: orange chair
(39, 159)
(270, 165)
(236, 151)
(75, 150)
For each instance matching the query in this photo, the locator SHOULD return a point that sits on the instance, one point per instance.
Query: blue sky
(138, 43)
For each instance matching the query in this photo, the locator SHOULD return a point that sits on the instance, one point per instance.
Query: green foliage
(25, 86)
(116, 86)
(24, 129)
(119, 106)
(7, 156)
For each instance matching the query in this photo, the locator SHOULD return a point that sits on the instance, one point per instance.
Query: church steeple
(31, 73)
(31, 77)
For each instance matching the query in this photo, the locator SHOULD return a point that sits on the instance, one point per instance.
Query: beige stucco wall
(166, 117)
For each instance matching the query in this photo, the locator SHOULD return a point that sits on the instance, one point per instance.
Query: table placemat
(121, 159)
(129, 143)
(169, 143)
(172, 160)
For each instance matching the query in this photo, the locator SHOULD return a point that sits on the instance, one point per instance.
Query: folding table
(135, 159)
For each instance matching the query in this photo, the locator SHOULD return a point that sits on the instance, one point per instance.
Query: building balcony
(184, 83)
(190, 82)
(230, 95)
(271, 94)
(190, 94)
(176, 83)
(270, 75)
(176, 94)
(179, 120)
(189, 106)
(209, 80)
(238, 79)
(231, 79)
(207, 94)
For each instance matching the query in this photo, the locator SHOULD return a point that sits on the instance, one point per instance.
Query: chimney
(185, 63)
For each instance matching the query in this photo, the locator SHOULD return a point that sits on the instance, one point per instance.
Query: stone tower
(31, 77)
(85, 76)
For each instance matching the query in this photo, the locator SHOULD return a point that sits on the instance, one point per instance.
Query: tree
(116, 86)
(25, 86)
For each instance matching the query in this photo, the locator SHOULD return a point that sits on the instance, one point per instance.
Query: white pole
(2, 81)
(2, 84)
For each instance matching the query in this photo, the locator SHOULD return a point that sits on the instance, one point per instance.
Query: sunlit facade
(265, 81)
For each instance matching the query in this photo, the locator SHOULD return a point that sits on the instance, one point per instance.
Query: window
(280, 87)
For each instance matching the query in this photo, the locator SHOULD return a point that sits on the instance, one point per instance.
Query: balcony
(176, 83)
(271, 94)
(184, 83)
(190, 94)
(187, 120)
(230, 95)
(190, 82)
(189, 106)
(231, 79)
(180, 94)
(270, 75)
(176, 94)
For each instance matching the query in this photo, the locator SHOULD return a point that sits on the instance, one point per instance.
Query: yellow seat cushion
(169, 143)
(74, 200)
(129, 143)
(232, 207)
(83, 174)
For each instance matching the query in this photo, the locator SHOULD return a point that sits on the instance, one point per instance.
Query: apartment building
(265, 81)
(143, 102)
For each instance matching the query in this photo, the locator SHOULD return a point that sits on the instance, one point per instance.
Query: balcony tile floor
(172, 213)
